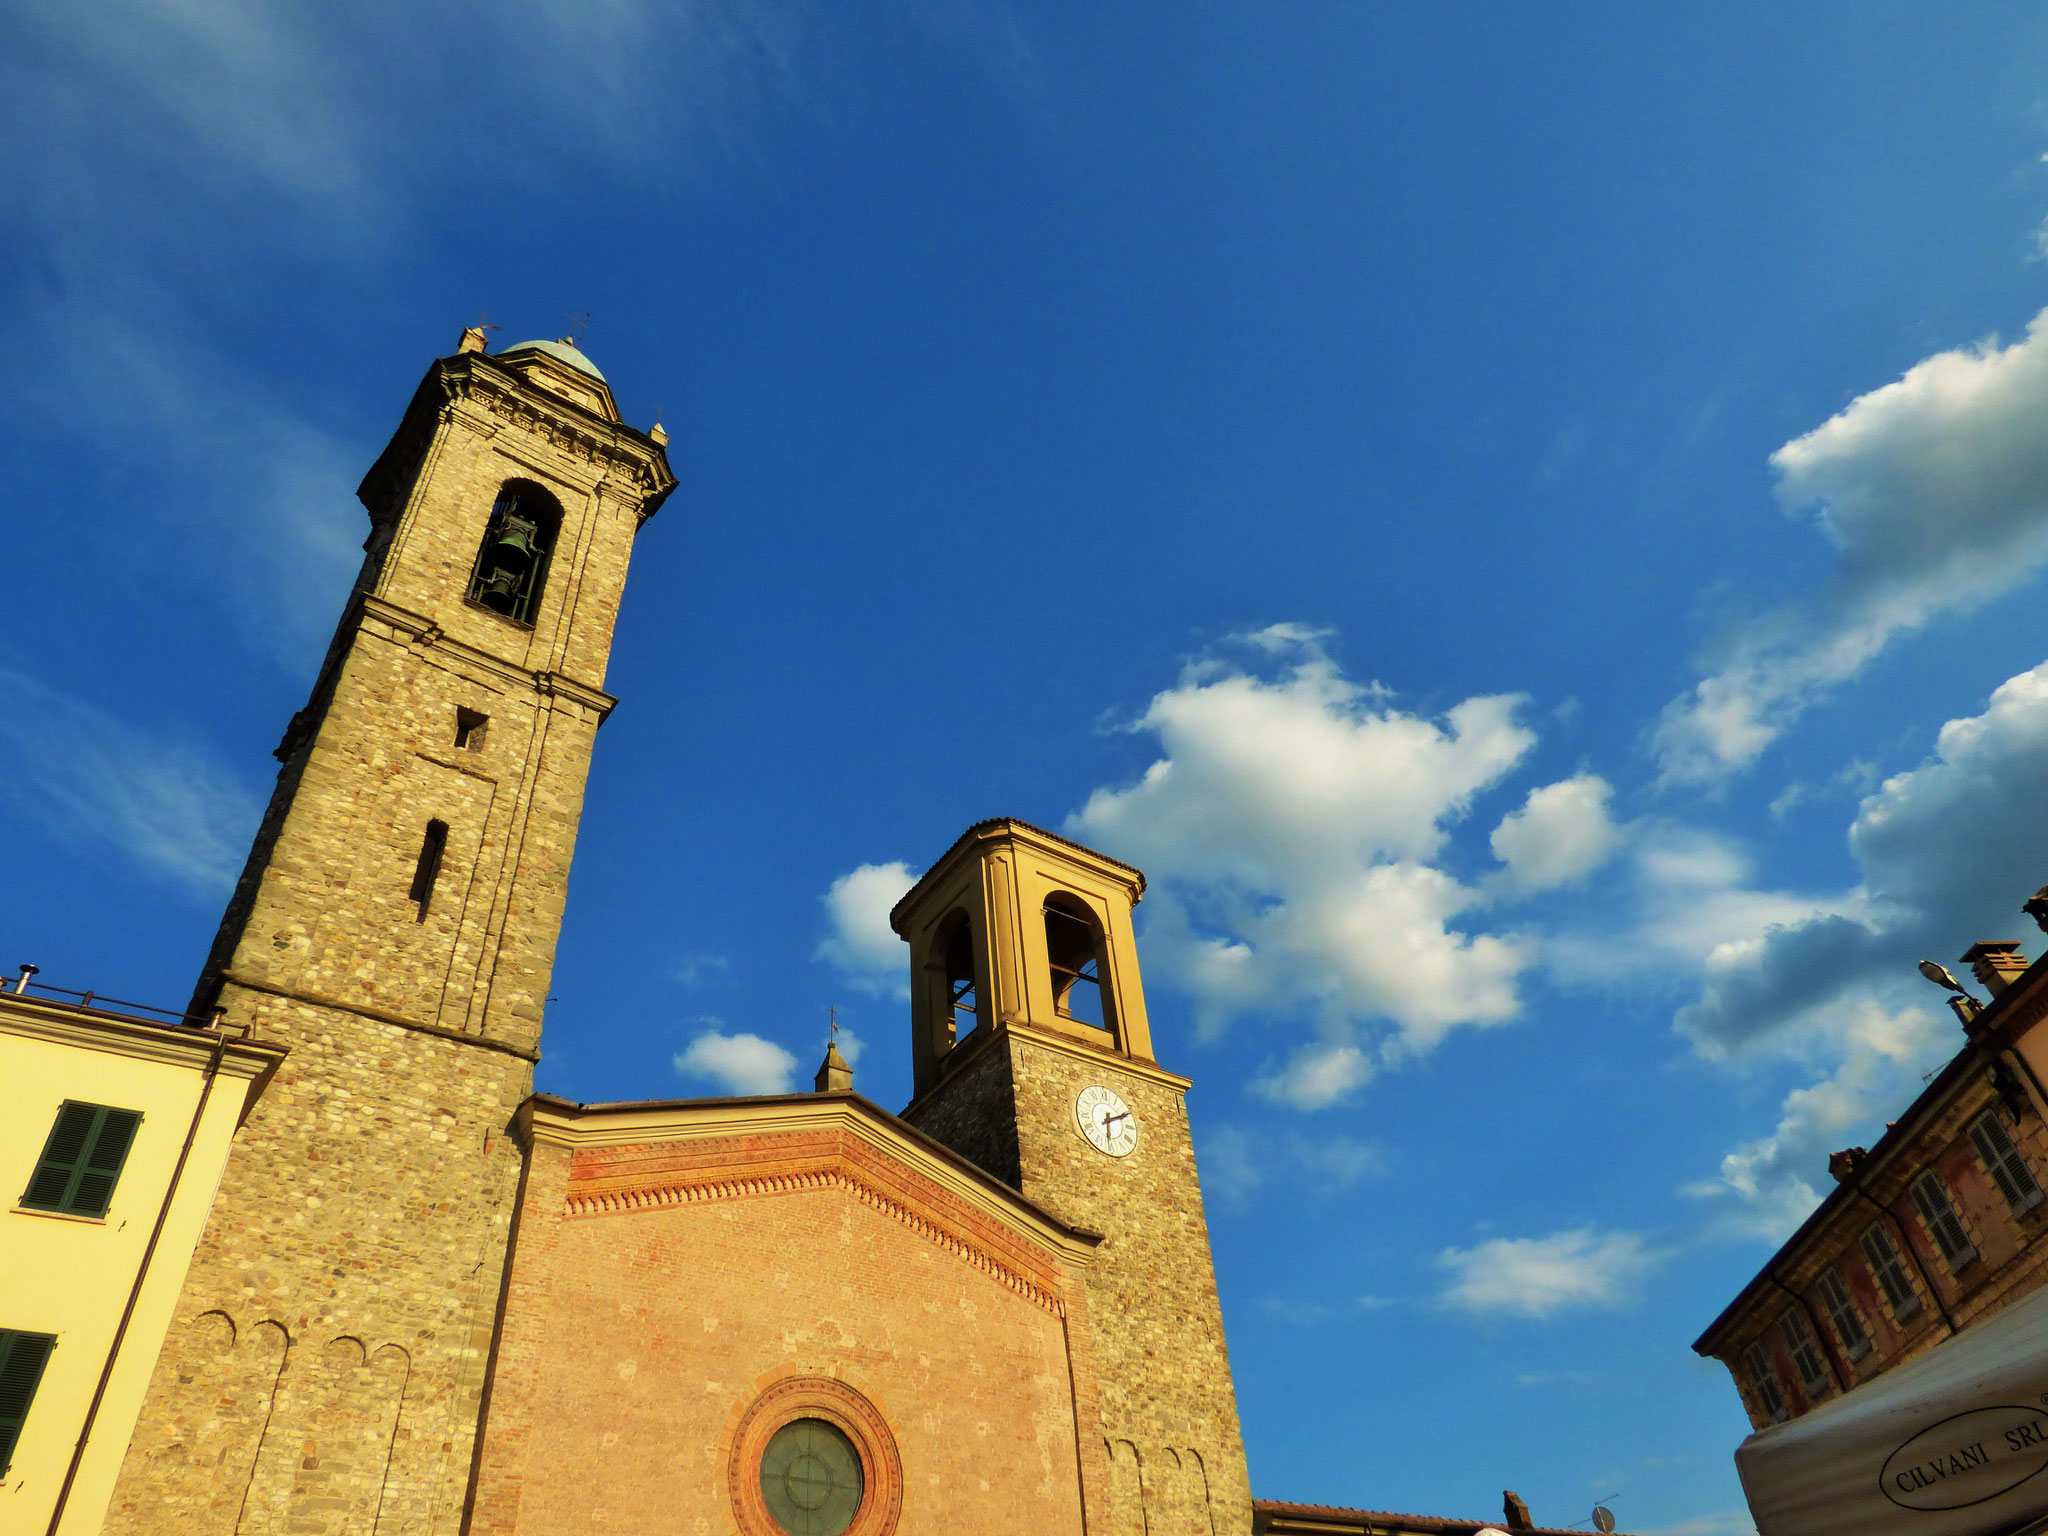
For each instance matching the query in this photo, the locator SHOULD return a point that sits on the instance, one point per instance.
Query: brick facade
(676, 1263)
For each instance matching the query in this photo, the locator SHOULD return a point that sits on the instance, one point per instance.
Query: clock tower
(1033, 1058)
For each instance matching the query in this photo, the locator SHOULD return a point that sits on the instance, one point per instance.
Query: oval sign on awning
(1967, 1459)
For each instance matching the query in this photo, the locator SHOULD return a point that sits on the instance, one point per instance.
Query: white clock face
(1106, 1121)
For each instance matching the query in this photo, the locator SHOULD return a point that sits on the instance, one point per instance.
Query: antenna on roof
(1603, 1519)
(484, 323)
(579, 322)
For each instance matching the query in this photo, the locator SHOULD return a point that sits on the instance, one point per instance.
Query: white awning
(1954, 1443)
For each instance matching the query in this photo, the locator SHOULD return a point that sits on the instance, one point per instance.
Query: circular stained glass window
(811, 1478)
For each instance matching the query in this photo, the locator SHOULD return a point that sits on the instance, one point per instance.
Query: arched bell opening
(960, 1001)
(511, 570)
(1074, 951)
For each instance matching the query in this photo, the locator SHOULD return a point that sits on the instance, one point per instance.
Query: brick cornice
(929, 1222)
(629, 1158)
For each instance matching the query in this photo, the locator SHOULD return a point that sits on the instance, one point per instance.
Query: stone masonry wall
(331, 916)
(1163, 1369)
(974, 1111)
(1168, 1408)
(327, 1357)
(326, 1364)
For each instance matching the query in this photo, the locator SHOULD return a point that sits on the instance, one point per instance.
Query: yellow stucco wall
(72, 1276)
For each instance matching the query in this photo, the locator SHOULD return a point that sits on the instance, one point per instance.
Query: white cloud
(861, 944)
(1230, 1174)
(699, 969)
(1933, 491)
(1338, 1161)
(1542, 1276)
(1775, 1181)
(738, 1063)
(78, 772)
(1562, 833)
(1316, 1077)
(1290, 831)
(1945, 857)
(1235, 1165)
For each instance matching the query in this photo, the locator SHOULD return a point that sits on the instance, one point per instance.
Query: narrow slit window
(1813, 1372)
(1834, 1293)
(1943, 1224)
(82, 1160)
(2002, 1160)
(511, 570)
(432, 847)
(1074, 949)
(470, 728)
(1883, 1256)
(961, 1000)
(1764, 1382)
(22, 1358)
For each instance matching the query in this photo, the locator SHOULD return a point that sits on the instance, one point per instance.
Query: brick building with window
(1935, 1228)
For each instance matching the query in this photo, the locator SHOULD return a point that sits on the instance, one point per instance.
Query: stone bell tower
(1033, 1057)
(395, 928)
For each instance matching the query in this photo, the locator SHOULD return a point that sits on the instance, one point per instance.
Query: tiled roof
(1373, 1522)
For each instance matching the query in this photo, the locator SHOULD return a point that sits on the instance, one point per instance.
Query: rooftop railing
(24, 984)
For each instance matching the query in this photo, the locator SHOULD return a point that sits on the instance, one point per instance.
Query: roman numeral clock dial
(1106, 1121)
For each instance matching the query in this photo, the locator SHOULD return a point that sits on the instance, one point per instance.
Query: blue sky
(1526, 521)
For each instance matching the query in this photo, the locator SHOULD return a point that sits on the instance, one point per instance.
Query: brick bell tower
(1033, 1057)
(395, 927)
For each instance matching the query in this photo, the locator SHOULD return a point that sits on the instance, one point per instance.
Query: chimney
(1843, 1164)
(1516, 1509)
(473, 340)
(1996, 965)
(2036, 907)
(834, 1075)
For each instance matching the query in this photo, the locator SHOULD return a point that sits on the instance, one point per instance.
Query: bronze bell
(513, 548)
(500, 591)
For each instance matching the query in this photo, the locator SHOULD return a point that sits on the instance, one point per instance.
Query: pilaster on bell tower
(395, 926)
(1032, 1056)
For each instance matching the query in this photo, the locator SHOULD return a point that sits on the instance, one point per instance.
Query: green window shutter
(22, 1357)
(82, 1160)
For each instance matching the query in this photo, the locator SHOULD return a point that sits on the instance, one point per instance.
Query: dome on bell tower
(562, 351)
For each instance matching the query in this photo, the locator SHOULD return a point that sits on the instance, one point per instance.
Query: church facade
(427, 1300)
(392, 1291)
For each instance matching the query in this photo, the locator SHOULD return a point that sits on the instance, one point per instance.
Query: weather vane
(832, 1013)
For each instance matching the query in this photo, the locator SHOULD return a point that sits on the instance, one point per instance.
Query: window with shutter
(1843, 1314)
(1890, 1272)
(1813, 1372)
(2002, 1160)
(22, 1358)
(1765, 1382)
(82, 1160)
(1943, 1224)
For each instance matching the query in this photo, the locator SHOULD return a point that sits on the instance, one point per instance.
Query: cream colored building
(111, 1148)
